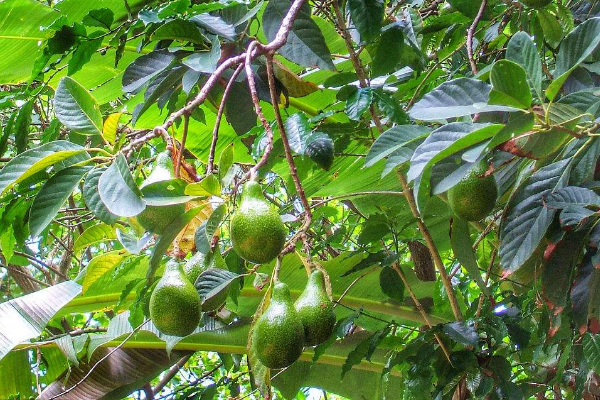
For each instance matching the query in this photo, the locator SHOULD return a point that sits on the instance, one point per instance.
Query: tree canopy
(436, 161)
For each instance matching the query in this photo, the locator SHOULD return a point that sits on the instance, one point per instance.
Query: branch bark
(471, 34)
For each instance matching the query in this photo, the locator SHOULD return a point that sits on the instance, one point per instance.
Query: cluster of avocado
(280, 334)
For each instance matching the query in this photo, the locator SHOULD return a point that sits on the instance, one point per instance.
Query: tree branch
(471, 33)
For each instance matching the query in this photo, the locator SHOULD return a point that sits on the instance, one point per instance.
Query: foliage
(369, 112)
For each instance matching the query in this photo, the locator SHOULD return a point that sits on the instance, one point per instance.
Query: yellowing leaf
(109, 130)
(184, 242)
(295, 86)
(100, 265)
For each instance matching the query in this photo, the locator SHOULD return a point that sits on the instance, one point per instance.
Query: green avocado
(474, 197)
(195, 266)
(321, 152)
(174, 303)
(257, 232)
(316, 310)
(278, 335)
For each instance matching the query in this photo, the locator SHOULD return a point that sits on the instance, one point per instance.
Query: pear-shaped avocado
(320, 151)
(174, 303)
(316, 310)
(256, 229)
(278, 335)
(474, 197)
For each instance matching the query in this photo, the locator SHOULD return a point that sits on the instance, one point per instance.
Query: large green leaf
(392, 140)
(19, 37)
(456, 98)
(178, 29)
(52, 196)
(305, 45)
(100, 265)
(15, 375)
(143, 69)
(367, 16)
(117, 190)
(35, 160)
(76, 109)
(28, 315)
(510, 88)
(92, 197)
(462, 247)
(526, 220)
(522, 50)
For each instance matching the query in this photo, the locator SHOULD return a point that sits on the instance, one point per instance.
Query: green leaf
(161, 85)
(462, 333)
(462, 247)
(225, 161)
(92, 198)
(209, 186)
(553, 33)
(522, 50)
(367, 16)
(52, 196)
(298, 129)
(102, 18)
(356, 355)
(22, 126)
(167, 237)
(573, 195)
(358, 103)
(510, 88)
(28, 315)
(65, 344)
(144, 68)
(526, 219)
(213, 282)
(213, 222)
(116, 192)
(76, 109)
(205, 61)
(93, 235)
(456, 98)
(35, 160)
(178, 29)
(131, 243)
(591, 349)
(83, 54)
(392, 140)
(574, 50)
(100, 265)
(16, 376)
(215, 25)
(305, 44)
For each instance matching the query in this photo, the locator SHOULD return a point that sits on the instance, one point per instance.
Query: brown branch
(215, 134)
(170, 374)
(471, 33)
(432, 248)
(288, 151)
(186, 125)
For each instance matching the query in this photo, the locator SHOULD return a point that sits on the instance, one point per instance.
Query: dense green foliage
(183, 166)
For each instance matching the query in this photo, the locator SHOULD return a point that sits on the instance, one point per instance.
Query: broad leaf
(526, 220)
(297, 127)
(573, 195)
(76, 108)
(22, 126)
(591, 349)
(35, 160)
(28, 315)
(367, 16)
(510, 88)
(100, 265)
(213, 222)
(462, 247)
(392, 140)
(93, 235)
(585, 294)
(358, 103)
(16, 376)
(215, 25)
(522, 50)
(213, 282)
(179, 29)
(456, 98)
(462, 333)
(109, 129)
(305, 44)
(116, 192)
(144, 68)
(92, 198)
(52, 196)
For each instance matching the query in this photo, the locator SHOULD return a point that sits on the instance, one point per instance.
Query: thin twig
(471, 34)
(432, 248)
(215, 134)
(186, 125)
(170, 374)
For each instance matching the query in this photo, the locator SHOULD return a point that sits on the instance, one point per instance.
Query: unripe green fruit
(174, 303)
(316, 310)
(474, 197)
(321, 152)
(278, 336)
(257, 232)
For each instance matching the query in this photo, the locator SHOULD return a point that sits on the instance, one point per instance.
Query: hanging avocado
(316, 310)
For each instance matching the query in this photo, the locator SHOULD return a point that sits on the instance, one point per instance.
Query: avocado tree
(349, 199)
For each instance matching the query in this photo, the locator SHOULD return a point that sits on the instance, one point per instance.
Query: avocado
(174, 303)
(257, 232)
(278, 335)
(321, 152)
(195, 266)
(316, 310)
(474, 196)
